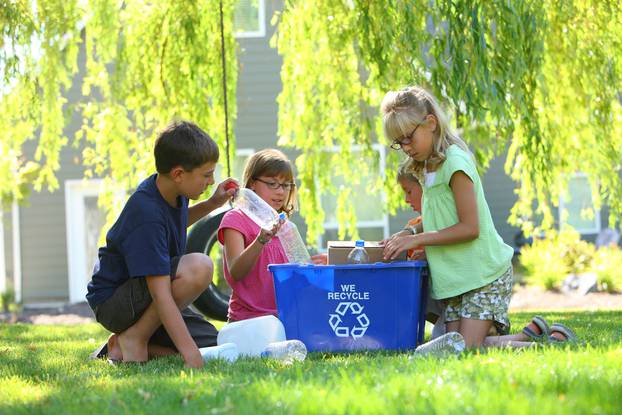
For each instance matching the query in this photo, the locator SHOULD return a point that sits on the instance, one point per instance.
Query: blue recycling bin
(333, 308)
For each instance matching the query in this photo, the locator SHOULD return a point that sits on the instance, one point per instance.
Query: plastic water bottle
(266, 217)
(255, 208)
(358, 255)
(226, 351)
(286, 351)
(439, 328)
(292, 243)
(447, 344)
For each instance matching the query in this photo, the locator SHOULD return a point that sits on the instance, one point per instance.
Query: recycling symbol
(354, 309)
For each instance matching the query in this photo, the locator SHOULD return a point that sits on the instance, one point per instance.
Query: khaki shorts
(489, 302)
(132, 298)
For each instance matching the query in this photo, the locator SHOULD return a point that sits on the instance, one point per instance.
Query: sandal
(569, 335)
(541, 324)
(100, 353)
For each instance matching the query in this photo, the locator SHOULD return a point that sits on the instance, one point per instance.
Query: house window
(237, 165)
(249, 19)
(372, 221)
(578, 210)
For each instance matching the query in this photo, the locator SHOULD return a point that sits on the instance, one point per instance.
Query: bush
(548, 261)
(607, 265)
(7, 299)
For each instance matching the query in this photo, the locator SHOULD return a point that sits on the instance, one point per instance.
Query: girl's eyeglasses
(398, 144)
(275, 185)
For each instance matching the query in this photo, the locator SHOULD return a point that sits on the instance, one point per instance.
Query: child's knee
(200, 269)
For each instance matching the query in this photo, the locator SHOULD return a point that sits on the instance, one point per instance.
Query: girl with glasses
(470, 264)
(248, 249)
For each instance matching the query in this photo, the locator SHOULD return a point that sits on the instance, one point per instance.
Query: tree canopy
(145, 63)
(541, 78)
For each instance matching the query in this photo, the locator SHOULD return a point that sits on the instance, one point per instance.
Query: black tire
(203, 237)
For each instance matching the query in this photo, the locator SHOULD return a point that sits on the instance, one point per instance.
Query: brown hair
(271, 163)
(183, 143)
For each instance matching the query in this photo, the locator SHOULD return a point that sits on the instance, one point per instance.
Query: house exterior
(49, 244)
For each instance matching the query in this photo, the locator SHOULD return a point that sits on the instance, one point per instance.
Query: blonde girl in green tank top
(469, 262)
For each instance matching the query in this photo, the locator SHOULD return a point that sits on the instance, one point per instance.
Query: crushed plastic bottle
(255, 208)
(287, 351)
(266, 217)
(225, 351)
(358, 255)
(448, 344)
(292, 243)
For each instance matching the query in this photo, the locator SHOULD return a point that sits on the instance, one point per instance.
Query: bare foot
(156, 350)
(132, 349)
(114, 349)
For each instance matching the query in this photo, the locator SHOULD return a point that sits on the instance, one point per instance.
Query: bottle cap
(231, 185)
(359, 243)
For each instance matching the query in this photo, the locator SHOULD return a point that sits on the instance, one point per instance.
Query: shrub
(607, 265)
(548, 261)
(7, 299)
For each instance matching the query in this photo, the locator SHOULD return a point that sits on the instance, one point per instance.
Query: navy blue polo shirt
(146, 236)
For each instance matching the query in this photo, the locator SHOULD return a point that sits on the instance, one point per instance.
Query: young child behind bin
(142, 278)
(248, 249)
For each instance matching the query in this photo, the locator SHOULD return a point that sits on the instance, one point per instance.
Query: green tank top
(464, 266)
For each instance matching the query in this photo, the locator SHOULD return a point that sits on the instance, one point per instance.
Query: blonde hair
(403, 110)
(271, 163)
(405, 171)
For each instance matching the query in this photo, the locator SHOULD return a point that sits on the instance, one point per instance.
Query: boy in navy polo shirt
(143, 279)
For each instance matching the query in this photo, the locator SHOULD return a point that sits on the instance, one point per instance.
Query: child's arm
(467, 228)
(241, 260)
(170, 316)
(224, 191)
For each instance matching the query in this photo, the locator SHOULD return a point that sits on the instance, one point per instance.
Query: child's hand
(392, 237)
(266, 235)
(194, 360)
(224, 191)
(320, 259)
(418, 255)
(400, 244)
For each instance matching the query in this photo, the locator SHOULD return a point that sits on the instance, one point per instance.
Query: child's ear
(176, 173)
(432, 122)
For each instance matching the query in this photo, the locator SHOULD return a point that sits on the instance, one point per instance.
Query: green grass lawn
(44, 369)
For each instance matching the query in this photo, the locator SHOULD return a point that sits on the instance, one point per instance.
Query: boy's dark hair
(184, 144)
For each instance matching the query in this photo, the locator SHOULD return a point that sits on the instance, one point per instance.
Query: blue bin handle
(425, 275)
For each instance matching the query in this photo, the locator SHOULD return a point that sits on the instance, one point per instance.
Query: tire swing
(203, 237)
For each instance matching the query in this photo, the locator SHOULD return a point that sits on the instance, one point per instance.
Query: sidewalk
(536, 298)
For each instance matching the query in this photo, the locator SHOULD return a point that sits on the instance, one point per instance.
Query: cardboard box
(338, 252)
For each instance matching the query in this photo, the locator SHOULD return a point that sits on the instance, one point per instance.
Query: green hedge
(549, 260)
